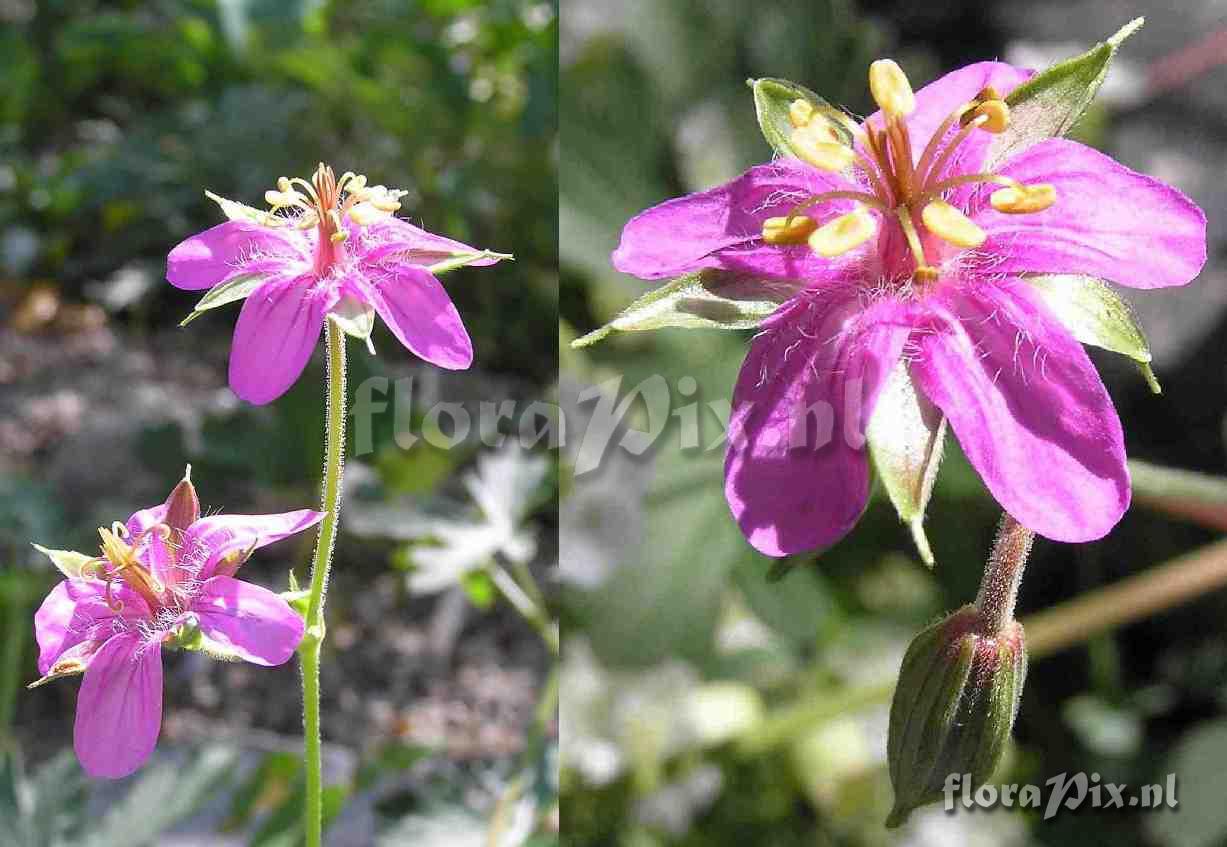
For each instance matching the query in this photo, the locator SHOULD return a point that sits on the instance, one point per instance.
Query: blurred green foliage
(115, 117)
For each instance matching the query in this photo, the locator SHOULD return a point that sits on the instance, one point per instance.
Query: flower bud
(183, 506)
(954, 707)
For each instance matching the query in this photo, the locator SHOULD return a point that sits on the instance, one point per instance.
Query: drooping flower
(328, 247)
(164, 577)
(909, 244)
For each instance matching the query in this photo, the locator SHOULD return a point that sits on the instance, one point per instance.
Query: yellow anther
(837, 237)
(793, 230)
(890, 89)
(800, 112)
(283, 184)
(814, 143)
(274, 198)
(949, 224)
(1023, 199)
(998, 114)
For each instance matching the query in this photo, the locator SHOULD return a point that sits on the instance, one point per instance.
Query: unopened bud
(954, 707)
(183, 506)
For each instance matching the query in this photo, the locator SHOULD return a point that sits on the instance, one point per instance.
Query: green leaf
(459, 260)
(69, 562)
(1051, 102)
(236, 211)
(1095, 314)
(706, 299)
(906, 435)
(772, 99)
(225, 292)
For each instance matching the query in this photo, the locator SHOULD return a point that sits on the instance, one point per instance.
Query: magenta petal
(76, 610)
(722, 228)
(145, 518)
(119, 709)
(411, 244)
(277, 331)
(416, 308)
(1028, 409)
(796, 473)
(230, 249)
(211, 538)
(1107, 222)
(247, 620)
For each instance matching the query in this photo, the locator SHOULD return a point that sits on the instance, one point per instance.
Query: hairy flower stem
(1003, 575)
(313, 641)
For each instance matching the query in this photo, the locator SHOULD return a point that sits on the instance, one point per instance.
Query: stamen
(789, 230)
(95, 568)
(936, 139)
(1021, 199)
(890, 89)
(924, 270)
(949, 224)
(813, 144)
(998, 114)
(113, 604)
(843, 234)
(340, 233)
(936, 169)
(860, 197)
(933, 191)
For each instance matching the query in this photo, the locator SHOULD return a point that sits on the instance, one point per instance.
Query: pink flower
(165, 576)
(337, 250)
(907, 245)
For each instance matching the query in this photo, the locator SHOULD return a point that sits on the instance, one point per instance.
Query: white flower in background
(503, 486)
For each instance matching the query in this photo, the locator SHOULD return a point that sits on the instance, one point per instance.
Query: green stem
(522, 599)
(14, 646)
(313, 641)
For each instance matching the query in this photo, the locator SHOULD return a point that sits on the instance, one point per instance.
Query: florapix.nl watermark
(604, 417)
(1060, 793)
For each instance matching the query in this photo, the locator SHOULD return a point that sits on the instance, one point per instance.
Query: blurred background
(115, 117)
(706, 705)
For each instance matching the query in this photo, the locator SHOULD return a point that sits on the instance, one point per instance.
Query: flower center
(119, 560)
(324, 203)
(905, 189)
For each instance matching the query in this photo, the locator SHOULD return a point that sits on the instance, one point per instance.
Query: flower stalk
(312, 643)
(1003, 575)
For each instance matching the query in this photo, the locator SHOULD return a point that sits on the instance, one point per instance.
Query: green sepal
(705, 299)
(236, 288)
(1095, 314)
(460, 259)
(69, 562)
(298, 600)
(237, 211)
(772, 99)
(906, 435)
(954, 707)
(1051, 102)
(354, 318)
